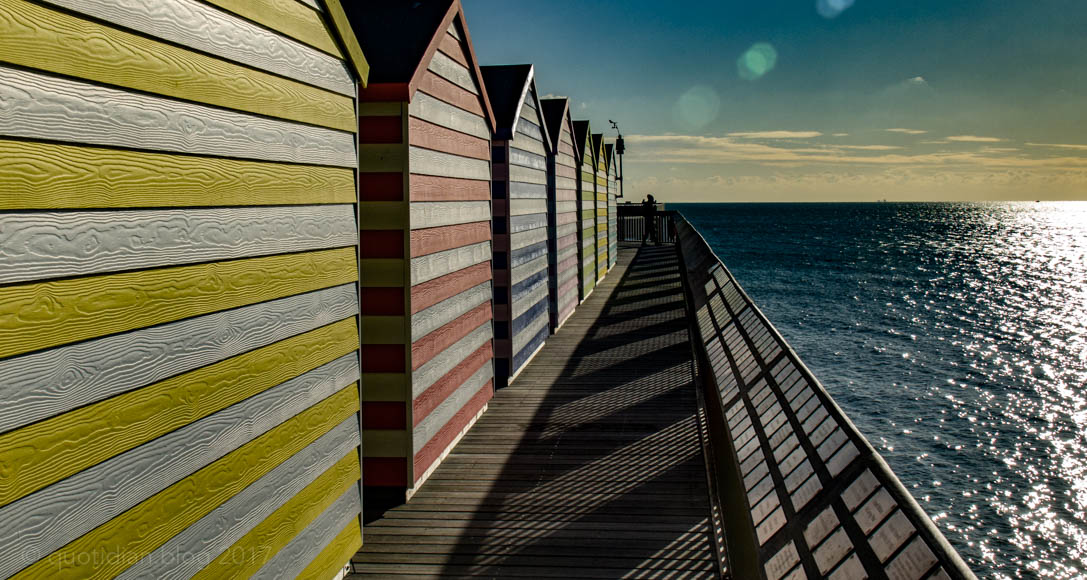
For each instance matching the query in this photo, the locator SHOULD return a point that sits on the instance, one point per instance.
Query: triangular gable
(346, 35)
(582, 139)
(508, 87)
(402, 37)
(609, 157)
(556, 112)
(598, 149)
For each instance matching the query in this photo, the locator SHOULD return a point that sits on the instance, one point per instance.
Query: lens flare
(757, 61)
(832, 8)
(697, 107)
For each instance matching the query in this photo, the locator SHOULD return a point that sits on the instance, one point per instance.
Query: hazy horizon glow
(827, 100)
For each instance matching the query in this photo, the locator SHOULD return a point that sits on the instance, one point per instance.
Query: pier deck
(589, 465)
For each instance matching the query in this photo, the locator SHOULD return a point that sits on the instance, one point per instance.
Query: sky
(816, 100)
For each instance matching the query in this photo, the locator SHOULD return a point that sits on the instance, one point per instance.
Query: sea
(955, 336)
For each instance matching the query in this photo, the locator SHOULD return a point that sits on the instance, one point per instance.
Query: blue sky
(783, 100)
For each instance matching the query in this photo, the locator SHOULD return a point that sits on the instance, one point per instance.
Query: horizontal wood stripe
(528, 277)
(453, 72)
(385, 471)
(45, 452)
(425, 376)
(440, 442)
(434, 291)
(186, 553)
(529, 238)
(435, 137)
(472, 363)
(50, 176)
(381, 186)
(525, 304)
(527, 159)
(201, 27)
(58, 514)
(385, 443)
(39, 246)
(382, 329)
(530, 130)
(451, 47)
(432, 240)
(568, 185)
(524, 223)
(532, 145)
(522, 356)
(383, 358)
(47, 314)
(384, 216)
(436, 265)
(564, 171)
(428, 162)
(29, 35)
(448, 409)
(271, 535)
(44, 107)
(438, 214)
(384, 415)
(386, 387)
(527, 254)
(527, 190)
(439, 112)
(435, 86)
(381, 130)
(140, 530)
(434, 188)
(452, 30)
(566, 207)
(528, 109)
(528, 206)
(330, 561)
(426, 321)
(36, 386)
(381, 273)
(426, 348)
(288, 17)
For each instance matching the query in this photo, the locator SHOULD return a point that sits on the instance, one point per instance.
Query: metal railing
(632, 220)
(802, 489)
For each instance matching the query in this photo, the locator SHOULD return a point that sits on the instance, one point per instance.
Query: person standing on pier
(649, 212)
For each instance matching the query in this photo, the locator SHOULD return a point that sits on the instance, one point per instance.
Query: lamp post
(620, 148)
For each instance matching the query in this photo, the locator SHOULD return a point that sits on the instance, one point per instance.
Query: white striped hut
(178, 289)
(519, 152)
(563, 218)
(586, 207)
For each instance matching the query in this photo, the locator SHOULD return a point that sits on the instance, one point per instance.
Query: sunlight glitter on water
(972, 320)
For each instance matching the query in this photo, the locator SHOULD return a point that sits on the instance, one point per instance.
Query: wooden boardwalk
(590, 465)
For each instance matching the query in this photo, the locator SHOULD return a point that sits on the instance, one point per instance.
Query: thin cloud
(840, 135)
(777, 135)
(867, 147)
(907, 131)
(974, 139)
(1073, 146)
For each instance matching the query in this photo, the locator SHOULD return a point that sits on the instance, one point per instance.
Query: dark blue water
(955, 336)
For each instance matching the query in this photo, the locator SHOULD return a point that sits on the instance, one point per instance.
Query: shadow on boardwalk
(588, 465)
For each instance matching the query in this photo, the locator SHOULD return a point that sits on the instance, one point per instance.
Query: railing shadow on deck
(603, 474)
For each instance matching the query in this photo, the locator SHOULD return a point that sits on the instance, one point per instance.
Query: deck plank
(590, 464)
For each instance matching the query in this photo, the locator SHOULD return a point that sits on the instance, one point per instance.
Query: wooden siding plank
(183, 555)
(443, 90)
(447, 435)
(530, 238)
(337, 552)
(527, 159)
(84, 308)
(429, 427)
(528, 269)
(433, 188)
(433, 266)
(529, 144)
(426, 348)
(450, 46)
(432, 240)
(453, 72)
(528, 190)
(525, 175)
(528, 206)
(425, 376)
(38, 175)
(427, 162)
(334, 490)
(138, 531)
(436, 111)
(39, 246)
(43, 107)
(98, 369)
(30, 35)
(42, 453)
(526, 222)
(198, 26)
(531, 306)
(439, 391)
(288, 17)
(434, 291)
(438, 138)
(438, 214)
(57, 515)
(529, 129)
(426, 321)
(521, 357)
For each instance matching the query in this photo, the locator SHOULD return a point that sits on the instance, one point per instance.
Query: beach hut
(586, 199)
(519, 151)
(601, 184)
(563, 218)
(613, 196)
(425, 214)
(178, 289)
